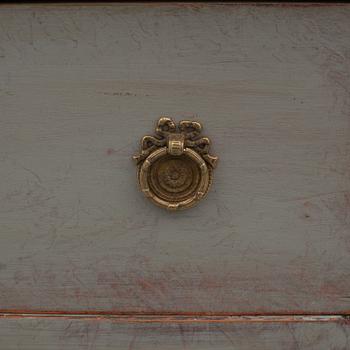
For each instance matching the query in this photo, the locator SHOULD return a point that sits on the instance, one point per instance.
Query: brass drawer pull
(174, 166)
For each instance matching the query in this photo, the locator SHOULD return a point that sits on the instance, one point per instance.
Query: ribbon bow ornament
(191, 131)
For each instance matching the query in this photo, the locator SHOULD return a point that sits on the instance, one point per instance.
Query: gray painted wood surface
(57, 334)
(80, 85)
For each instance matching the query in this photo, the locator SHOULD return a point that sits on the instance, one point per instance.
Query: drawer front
(81, 84)
(57, 334)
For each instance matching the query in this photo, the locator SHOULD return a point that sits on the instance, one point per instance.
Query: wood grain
(79, 86)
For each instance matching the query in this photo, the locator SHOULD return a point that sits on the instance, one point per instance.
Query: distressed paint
(34, 334)
(79, 85)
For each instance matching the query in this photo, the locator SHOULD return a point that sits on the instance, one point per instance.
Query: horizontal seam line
(178, 318)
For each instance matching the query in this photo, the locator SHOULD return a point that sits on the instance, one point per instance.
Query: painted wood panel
(52, 334)
(79, 86)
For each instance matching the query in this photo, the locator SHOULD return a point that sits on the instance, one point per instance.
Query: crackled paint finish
(32, 334)
(79, 86)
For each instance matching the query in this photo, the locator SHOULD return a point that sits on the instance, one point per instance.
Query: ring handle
(174, 166)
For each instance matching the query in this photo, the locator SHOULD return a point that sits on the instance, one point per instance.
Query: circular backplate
(174, 182)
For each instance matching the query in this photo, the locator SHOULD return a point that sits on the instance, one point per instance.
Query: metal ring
(201, 187)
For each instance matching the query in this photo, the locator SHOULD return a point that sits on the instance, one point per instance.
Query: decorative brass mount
(174, 166)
